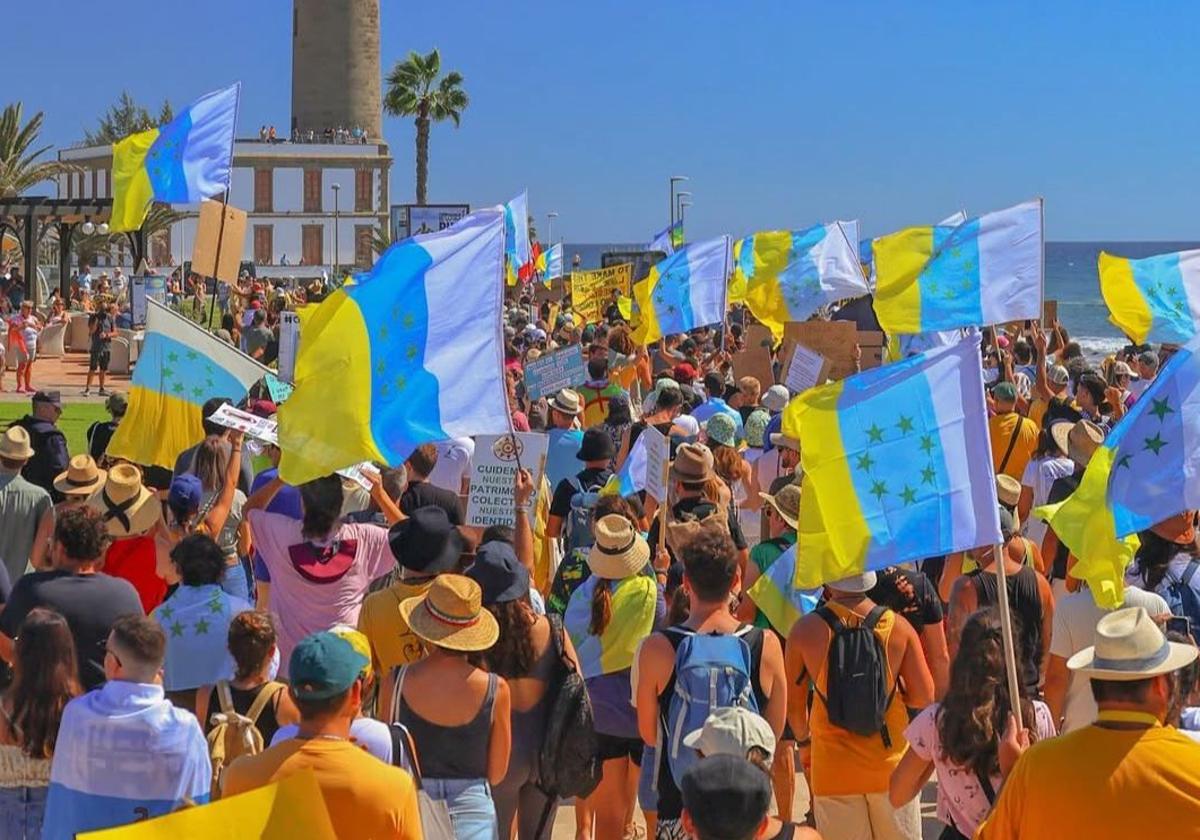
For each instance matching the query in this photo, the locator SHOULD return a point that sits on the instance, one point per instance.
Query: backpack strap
(1189, 572)
(403, 744)
(225, 698)
(985, 784)
(1012, 441)
(268, 693)
(398, 679)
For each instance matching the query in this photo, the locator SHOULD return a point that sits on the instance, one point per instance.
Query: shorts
(27, 355)
(613, 746)
(98, 359)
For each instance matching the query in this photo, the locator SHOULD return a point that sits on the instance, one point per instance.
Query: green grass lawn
(74, 422)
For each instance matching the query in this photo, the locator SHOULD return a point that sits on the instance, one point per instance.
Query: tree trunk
(422, 159)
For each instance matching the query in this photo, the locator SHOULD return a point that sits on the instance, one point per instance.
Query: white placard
(289, 345)
(260, 428)
(359, 474)
(658, 452)
(805, 370)
(494, 474)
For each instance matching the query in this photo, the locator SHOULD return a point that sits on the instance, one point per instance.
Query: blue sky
(782, 114)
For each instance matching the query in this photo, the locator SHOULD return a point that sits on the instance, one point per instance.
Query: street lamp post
(679, 203)
(550, 217)
(336, 219)
(682, 204)
(674, 179)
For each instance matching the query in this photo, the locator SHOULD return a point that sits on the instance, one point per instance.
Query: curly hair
(973, 714)
(512, 657)
(81, 534)
(727, 463)
(251, 637)
(199, 559)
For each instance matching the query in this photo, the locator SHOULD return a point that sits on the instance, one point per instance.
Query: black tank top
(243, 699)
(451, 752)
(1025, 601)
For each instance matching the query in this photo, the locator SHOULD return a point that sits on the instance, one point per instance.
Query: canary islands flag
(684, 291)
(785, 275)
(408, 353)
(181, 367)
(1153, 299)
(516, 236)
(550, 263)
(1146, 471)
(776, 595)
(898, 462)
(667, 239)
(185, 161)
(987, 270)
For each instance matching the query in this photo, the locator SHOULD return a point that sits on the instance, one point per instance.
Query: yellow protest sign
(591, 291)
(286, 810)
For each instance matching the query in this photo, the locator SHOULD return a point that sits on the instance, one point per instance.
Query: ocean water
(1071, 279)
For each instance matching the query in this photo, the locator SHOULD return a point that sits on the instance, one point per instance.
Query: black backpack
(568, 763)
(857, 696)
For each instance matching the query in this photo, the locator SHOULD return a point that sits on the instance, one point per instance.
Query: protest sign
(277, 388)
(289, 345)
(1049, 313)
(360, 473)
(870, 348)
(591, 291)
(494, 472)
(658, 453)
(805, 369)
(260, 428)
(756, 362)
(835, 340)
(555, 371)
(758, 336)
(220, 234)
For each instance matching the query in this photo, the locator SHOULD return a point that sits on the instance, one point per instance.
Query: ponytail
(601, 607)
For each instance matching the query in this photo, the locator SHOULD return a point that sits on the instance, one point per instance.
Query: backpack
(567, 762)
(1181, 598)
(686, 527)
(712, 671)
(856, 692)
(579, 521)
(234, 734)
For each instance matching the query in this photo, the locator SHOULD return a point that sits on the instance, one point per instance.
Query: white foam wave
(1097, 347)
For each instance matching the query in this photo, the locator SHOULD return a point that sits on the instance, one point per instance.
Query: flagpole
(212, 305)
(1010, 659)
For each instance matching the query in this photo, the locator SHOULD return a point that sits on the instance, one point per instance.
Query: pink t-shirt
(960, 798)
(302, 606)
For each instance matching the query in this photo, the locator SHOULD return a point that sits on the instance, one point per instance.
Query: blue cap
(323, 665)
(186, 493)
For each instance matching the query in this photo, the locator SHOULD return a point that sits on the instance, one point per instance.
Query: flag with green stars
(1153, 299)
(682, 292)
(1147, 470)
(181, 367)
(897, 465)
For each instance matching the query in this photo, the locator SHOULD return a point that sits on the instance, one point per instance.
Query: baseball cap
(726, 796)
(1059, 375)
(1149, 358)
(186, 492)
(52, 397)
(1005, 392)
(357, 640)
(324, 665)
(732, 730)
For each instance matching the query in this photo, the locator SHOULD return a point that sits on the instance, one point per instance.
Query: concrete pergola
(30, 218)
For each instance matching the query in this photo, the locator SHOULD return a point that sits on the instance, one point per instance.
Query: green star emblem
(956, 252)
(908, 495)
(396, 312)
(383, 332)
(177, 629)
(210, 383)
(201, 626)
(875, 433)
(178, 388)
(1123, 461)
(215, 607)
(878, 489)
(932, 287)
(172, 357)
(168, 372)
(197, 392)
(401, 382)
(904, 424)
(191, 354)
(864, 462)
(384, 389)
(381, 367)
(409, 320)
(166, 612)
(1154, 444)
(1161, 408)
(929, 475)
(926, 443)
(411, 352)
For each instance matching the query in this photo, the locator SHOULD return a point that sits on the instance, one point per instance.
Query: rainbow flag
(181, 367)
(634, 604)
(516, 236)
(684, 291)
(1144, 473)
(667, 239)
(408, 353)
(987, 270)
(776, 595)
(185, 161)
(1155, 299)
(897, 464)
(786, 275)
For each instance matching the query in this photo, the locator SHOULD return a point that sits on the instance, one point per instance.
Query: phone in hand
(1180, 624)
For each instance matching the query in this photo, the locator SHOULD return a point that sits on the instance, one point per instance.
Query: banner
(551, 373)
(591, 291)
(494, 474)
(141, 287)
(658, 453)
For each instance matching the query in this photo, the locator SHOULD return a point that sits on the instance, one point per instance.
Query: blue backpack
(1182, 599)
(579, 521)
(712, 671)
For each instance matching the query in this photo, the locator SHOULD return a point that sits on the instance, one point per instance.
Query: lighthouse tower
(335, 66)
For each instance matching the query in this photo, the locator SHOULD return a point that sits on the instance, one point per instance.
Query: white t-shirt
(1040, 474)
(1075, 619)
(454, 459)
(370, 734)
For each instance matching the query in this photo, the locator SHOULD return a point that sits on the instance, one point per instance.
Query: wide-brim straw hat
(450, 614)
(1082, 440)
(1129, 646)
(619, 551)
(124, 504)
(14, 444)
(81, 478)
(786, 503)
(567, 401)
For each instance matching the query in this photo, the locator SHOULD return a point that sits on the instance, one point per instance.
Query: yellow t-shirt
(1101, 783)
(1000, 430)
(392, 643)
(365, 798)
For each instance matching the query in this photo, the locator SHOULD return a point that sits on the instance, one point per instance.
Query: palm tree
(20, 168)
(414, 90)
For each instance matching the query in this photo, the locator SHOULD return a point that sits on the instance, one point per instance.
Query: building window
(363, 254)
(364, 185)
(264, 190)
(264, 244)
(312, 240)
(312, 190)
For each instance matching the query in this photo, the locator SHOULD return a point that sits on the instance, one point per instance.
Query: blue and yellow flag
(897, 464)
(409, 353)
(185, 161)
(684, 291)
(550, 263)
(786, 275)
(668, 239)
(1143, 474)
(181, 367)
(634, 604)
(1155, 299)
(777, 597)
(516, 237)
(987, 270)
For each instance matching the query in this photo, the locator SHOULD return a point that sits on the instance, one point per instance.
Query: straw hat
(619, 551)
(1079, 441)
(786, 503)
(567, 401)
(14, 445)
(124, 504)
(81, 478)
(693, 462)
(855, 583)
(451, 615)
(1008, 490)
(1129, 646)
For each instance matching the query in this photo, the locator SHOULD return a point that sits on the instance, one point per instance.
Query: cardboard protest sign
(591, 291)
(494, 473)
(805, 369)
(1049, 313)
(835, 340)
(217, 251)
(757, 335)
(554, 371)
(756, 362)
(870, 346)
(289, 345)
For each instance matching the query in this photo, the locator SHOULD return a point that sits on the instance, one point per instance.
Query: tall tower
(335, 65)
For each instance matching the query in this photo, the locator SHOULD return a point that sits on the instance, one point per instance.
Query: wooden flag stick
(1010, 660)
(662, 506)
